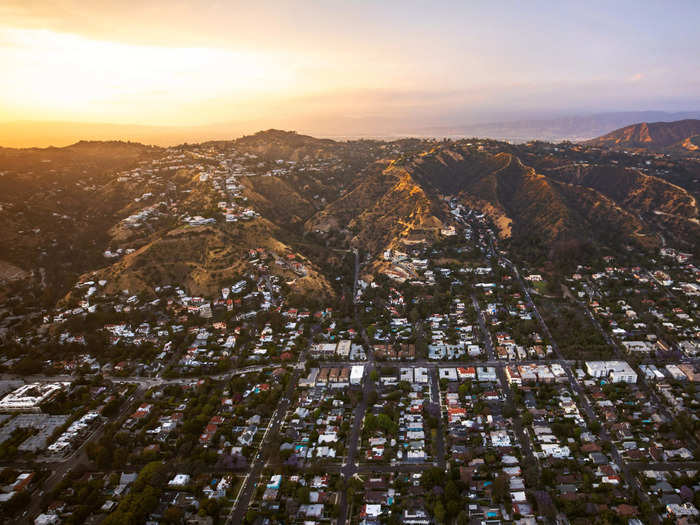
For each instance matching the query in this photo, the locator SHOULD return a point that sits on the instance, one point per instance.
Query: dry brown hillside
(202, 259)
(385, 208)
(404, 201)
(653, 136)
(670, 208)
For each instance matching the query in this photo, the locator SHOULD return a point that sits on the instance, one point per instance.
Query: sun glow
(330, 68)
(65, 74)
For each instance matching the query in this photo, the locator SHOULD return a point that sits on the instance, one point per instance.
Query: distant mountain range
(574, 128)
(680, 136)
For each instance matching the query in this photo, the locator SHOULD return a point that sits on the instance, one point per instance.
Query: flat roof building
(29, 397)
(356, 373)
(420, 375)
(344, 348)
(616, 371)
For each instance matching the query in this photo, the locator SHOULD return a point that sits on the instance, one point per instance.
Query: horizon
(59, 134)
(340, 70)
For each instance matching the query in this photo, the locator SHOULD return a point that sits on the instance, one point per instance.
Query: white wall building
(356, 373)
(616, 371)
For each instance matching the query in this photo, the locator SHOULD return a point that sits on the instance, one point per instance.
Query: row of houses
(535, 373)
(336, 377)
(342, 350)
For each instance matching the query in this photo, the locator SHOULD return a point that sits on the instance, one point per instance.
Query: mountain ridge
(313, 199)
(653, 136)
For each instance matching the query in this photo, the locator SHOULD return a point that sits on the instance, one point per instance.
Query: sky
(328, 63)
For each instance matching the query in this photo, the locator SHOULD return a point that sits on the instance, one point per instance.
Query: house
(513, 376)
(312, 511)
(638, 347)
(448, 373)
(47, 519)
(500, 438)
(343, 348)
(689, 370)
(676, 373)
(486, 373)
(371, 511)
(686, 510)
(180, 480)
(356, 373)
(415, 517)
(466, 373)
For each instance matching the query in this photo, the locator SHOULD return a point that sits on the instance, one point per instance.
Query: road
(147, 382)
(79, 455)
(576, 387)
(437, 408)
(350, 467)
(486, 335)
(522, 435)
(356, 276)
(641, 379)
(242, 502)
(666, 466)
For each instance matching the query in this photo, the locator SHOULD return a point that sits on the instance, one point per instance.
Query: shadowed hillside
(391, 206)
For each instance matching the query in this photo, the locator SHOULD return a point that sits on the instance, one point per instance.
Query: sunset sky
(184, 63)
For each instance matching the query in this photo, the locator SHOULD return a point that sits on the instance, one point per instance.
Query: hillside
(524, 203)
(671, 209)
(202, 258)
(56, 205)
(141, 217)
(85, 154)
(402, 203)
(384, 208)
(680, 135)
(62, 208)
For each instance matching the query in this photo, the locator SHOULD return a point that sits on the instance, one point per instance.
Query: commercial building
(344, 348)
(30, 397)
(356, 373)
(615, 371)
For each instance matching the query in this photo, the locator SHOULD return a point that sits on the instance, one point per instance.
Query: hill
(680, 135)
(203, 215)
(395, 205)
(200, 259)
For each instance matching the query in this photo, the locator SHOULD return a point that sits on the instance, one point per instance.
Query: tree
(172, 515)
(453, 507)
(451, 491)
(432, 477)
(439, 511)
(462, 518)
(19, 501)
(500, 488)
(302, 494)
